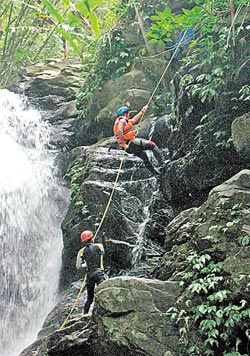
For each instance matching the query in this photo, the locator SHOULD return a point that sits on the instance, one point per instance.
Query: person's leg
(137, 148)
(90, 295)
(150, 145)
(148, 164)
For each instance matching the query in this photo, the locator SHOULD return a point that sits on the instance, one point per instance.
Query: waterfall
(30, 217)
(138, 249)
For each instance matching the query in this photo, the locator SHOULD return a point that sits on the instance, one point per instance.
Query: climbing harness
(118, 175)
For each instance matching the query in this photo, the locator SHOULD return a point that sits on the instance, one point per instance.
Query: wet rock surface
(130, 315)
(52, 86)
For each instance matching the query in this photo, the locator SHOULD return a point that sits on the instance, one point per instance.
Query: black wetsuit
(138, 146)
(92, 255)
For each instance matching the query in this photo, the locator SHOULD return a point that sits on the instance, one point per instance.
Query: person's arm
(102, 254)
(79, 263)
(137, 117)
(101, 263)
(121, 125)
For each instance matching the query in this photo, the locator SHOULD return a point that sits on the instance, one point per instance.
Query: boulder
(132, 317)
(215, 226)
(209, 244)
(241, 135)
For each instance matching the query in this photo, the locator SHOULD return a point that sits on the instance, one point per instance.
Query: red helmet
(86, 235)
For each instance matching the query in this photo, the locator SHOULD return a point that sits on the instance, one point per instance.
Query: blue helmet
(122, 110)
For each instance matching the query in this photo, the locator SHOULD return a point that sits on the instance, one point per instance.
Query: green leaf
(65, 2)
(73, 20)
(94, 3)
(87, 5)
(81, 6)
(213, 333)
(153, 41)
(219, 313)
(155, 18)
(94, 22)
(67, 36)
(52, 11)
(203, 309)
(186, 11)
(244, 240)
(211, 341)
(224, 336)
(191, 349)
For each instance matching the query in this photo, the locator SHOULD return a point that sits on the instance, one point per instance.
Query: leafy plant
(218, 36)
(245, 93)
(112, 58)
(50, 28)
(211, 307)
(76, 176)
(244, 240)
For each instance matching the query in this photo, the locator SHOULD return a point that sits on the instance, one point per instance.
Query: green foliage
(244, 240)
(53, 11)
(245, 93)
(167, 23)
(35, 30)
(111, 58)
(76, 176)
(210, 306)
(218, 39)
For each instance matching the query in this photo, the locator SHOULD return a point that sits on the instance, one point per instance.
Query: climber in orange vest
(91, 257)
(126, 138)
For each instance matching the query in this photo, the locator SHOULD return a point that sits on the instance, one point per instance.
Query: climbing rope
(139, 123)
(98, 229)
(111, 194)
(75, 303)
(118, 174)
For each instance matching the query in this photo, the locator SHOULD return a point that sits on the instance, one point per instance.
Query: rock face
(134, 316)
(215, 226)
(241, 135)
(215, 234)
(133, 202)
(52, 86)
(132, 319)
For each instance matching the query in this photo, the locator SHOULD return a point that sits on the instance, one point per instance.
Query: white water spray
(30, 235)
(138, 249)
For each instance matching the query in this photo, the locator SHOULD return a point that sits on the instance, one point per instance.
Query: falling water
(30, 235)
(138, 249)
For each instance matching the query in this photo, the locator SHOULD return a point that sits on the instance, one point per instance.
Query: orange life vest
(128, 133)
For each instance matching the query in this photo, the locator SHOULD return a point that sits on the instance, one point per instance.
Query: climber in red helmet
(126, 137)
(91, 257)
